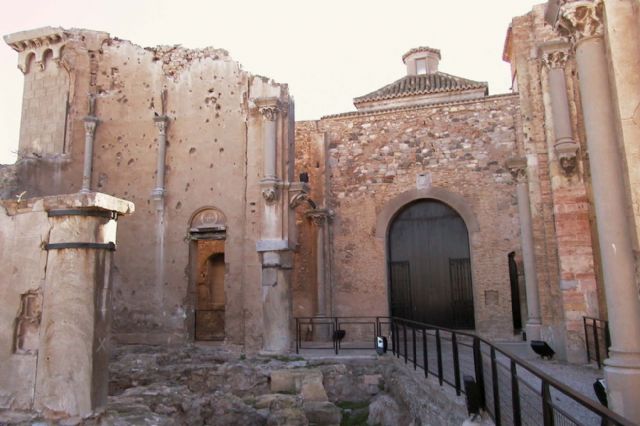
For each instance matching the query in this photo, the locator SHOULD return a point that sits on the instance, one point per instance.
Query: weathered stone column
(72, 375)
(582, 22)
(554, 57)
(90, 123)
(273, 244)
(518, 168)
(321, 218)
(157, 194)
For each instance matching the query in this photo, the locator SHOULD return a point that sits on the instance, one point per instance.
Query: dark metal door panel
(426, 235)
(400, 289)
(461, 293)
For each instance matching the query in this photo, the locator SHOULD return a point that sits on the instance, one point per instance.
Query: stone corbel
(270, 190)
(298, 194)
(517, 166)
(567, 154)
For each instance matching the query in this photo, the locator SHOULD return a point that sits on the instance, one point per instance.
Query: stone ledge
(90, 201)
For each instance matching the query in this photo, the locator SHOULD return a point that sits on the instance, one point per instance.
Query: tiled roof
(421, 49)
(413, 85)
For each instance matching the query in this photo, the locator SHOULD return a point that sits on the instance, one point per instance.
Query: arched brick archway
(427, 237)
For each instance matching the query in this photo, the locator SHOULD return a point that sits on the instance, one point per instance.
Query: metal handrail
(334, 322)
(597, 323)
(547, 383)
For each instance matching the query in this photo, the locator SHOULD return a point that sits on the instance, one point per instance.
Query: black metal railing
(511, 390)
(340, 333)
(596, 339)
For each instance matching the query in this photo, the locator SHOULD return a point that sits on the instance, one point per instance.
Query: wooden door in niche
(210, 297)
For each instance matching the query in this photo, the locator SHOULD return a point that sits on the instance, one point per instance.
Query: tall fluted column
(582, 21)
(518, 168)
(90, 123)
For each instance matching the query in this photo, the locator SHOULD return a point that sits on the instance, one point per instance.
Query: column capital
(554, 55)
(269, 107)
(320, 216)
(580, 20)
(90, 123)
(517, 166)
(161, 122)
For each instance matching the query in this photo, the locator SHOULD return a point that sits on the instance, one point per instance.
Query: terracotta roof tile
(423, 84)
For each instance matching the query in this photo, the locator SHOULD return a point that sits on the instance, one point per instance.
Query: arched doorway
(208, 236)
(429, 265)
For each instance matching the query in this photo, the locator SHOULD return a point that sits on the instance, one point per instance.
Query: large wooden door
(429, 266)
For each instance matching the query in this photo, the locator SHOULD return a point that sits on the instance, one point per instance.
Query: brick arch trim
(453, 200)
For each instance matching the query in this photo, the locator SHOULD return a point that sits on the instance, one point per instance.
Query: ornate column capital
(554, 55)
(517, 166)
(320, 216)
(580, 20)
(161, 122)
(269, 107)
(90, 123)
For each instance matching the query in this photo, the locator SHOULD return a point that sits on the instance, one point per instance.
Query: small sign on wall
(423, 181)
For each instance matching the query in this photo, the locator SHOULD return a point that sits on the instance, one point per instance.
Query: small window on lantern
(421, 66)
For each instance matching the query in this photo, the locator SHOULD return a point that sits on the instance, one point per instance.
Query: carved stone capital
(161, 123)
(90, 123)
(580, 20)
(320, 216)
(517, 166)
(554, 55)
(269, 107)
(567, 157)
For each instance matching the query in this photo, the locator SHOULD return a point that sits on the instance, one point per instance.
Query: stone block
(322, 413)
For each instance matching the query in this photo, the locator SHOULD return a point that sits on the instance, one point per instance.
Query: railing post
(586, 338)
(456, 362)
(404, 336)
(607, 337)
(297, 336)
(393, 336)
(425, 357)
(547, 408)
(335, 329)
(597, 341)
(413, 336)
(439, 349)
(478, 368)
(398, 340)
(515, 395)
(496, 390)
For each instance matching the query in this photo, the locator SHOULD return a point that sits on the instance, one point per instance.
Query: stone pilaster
(274, 245)
(554, 58)
(90, 124)
(582, 23)
(158, 192)
(518, 169)
(321, 218)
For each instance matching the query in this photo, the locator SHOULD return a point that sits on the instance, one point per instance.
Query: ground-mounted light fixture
(542, 348)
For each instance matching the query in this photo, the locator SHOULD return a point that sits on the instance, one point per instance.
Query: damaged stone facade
(180, 133)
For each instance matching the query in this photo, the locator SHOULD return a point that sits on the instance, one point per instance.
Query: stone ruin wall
(214, 159)
(569, 281)
(374, 157)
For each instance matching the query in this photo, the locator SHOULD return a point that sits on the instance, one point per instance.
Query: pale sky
(327, 51)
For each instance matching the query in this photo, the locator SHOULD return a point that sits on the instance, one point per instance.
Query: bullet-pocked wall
(199, 102)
